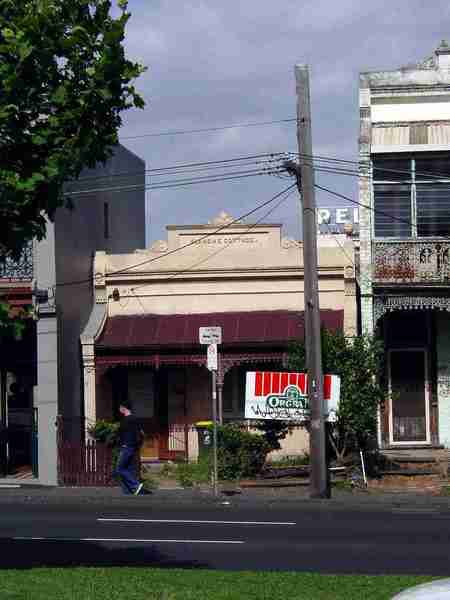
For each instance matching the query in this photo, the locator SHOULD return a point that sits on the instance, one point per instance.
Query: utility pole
(304, 172)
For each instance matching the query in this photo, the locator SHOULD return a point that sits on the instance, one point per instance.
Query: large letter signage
(283, 396)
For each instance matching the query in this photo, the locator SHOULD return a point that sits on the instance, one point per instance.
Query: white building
(405, 243)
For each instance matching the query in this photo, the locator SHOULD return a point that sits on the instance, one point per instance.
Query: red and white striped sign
(283, 396)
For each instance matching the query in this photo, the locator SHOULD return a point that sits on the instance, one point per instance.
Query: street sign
(210, 335)
(212, 357)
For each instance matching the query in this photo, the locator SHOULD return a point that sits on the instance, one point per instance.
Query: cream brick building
(142, 338)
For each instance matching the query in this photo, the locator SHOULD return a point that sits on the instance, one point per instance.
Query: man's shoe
(138, 489)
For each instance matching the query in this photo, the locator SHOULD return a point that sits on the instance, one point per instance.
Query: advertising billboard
(283, 396)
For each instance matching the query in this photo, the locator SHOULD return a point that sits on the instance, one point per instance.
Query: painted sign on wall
(283, 396)
(333, 220)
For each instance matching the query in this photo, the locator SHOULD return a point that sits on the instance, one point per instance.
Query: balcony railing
(21, 269)
(411, 261)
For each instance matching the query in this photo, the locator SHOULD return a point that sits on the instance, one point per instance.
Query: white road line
(194, 522)
(132, 540)
(415, 511)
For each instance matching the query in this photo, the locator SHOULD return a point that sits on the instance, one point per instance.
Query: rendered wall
(46, 392)
(78, 234)
(443, 375)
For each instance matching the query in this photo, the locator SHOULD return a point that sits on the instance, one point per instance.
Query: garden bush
(106, 432)
(240, 453)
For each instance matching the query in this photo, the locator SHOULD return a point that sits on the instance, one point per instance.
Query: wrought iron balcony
(21, 269)
(411, 261)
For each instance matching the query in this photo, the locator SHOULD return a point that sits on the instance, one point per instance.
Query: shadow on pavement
(27, 554)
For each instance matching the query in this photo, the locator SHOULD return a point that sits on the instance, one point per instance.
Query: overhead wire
(188, 244)
(264, 169)
(219, 250)
(208, 129)
(210, 164)
(372, 209)
(277, 170)
(207, 235)
(366, 164)
(176, 183)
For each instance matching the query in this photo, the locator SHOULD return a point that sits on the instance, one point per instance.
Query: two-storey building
(41, 375)
(404, 191)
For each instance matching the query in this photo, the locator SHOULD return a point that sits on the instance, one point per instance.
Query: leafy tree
(64, 81)
(358, 362)
(12, 324)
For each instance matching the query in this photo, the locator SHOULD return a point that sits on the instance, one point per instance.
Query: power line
(374, 210)
(365, 164)
(187, 169)
(210, 164)
(344, 197)
(207, 235)
(288, 192)
(176, 182)
(207, 129)
(346, 254)
(187, 245)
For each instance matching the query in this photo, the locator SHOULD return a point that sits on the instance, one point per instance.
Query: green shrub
(291, 461)
(106, 432)
(190, 474)
(240, 453)
(274, 431)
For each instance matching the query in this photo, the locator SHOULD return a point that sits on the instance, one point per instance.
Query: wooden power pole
(319, 481)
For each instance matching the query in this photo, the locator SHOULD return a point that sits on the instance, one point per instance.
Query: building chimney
(443, 56)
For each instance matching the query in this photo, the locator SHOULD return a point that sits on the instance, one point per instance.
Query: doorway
(409, 402)
(18, 427)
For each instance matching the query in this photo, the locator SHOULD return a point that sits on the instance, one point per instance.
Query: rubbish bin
(205, 438)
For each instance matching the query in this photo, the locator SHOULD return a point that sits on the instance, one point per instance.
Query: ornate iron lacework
(21, 269)
(386, 304)
(411, 261)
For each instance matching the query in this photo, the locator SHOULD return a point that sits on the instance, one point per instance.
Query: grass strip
(114, 583)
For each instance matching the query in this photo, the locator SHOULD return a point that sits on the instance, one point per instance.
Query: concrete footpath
(356, 500)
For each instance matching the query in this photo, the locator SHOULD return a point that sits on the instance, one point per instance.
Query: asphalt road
(307, 538)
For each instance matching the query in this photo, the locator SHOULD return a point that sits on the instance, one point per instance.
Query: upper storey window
(412, 196)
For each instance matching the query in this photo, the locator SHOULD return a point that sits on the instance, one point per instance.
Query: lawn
(128, 583)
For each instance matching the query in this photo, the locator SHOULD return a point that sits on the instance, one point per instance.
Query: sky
(213, 63)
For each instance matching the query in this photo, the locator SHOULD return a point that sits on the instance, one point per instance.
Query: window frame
(413, 180)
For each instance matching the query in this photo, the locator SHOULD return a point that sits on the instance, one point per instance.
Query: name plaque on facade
(222, 240)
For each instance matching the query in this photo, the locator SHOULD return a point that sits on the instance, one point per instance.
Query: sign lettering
(210, 335)
(283, 396)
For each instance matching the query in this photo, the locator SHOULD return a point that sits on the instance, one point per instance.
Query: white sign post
(211, 336)
(212, 357)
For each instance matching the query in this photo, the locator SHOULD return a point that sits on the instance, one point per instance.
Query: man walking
(130, 439)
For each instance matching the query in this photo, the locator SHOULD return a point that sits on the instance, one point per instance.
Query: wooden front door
(142, 395)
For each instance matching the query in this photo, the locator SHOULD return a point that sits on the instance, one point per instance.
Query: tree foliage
(358, 362)
(12, 325)
(64, 81)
